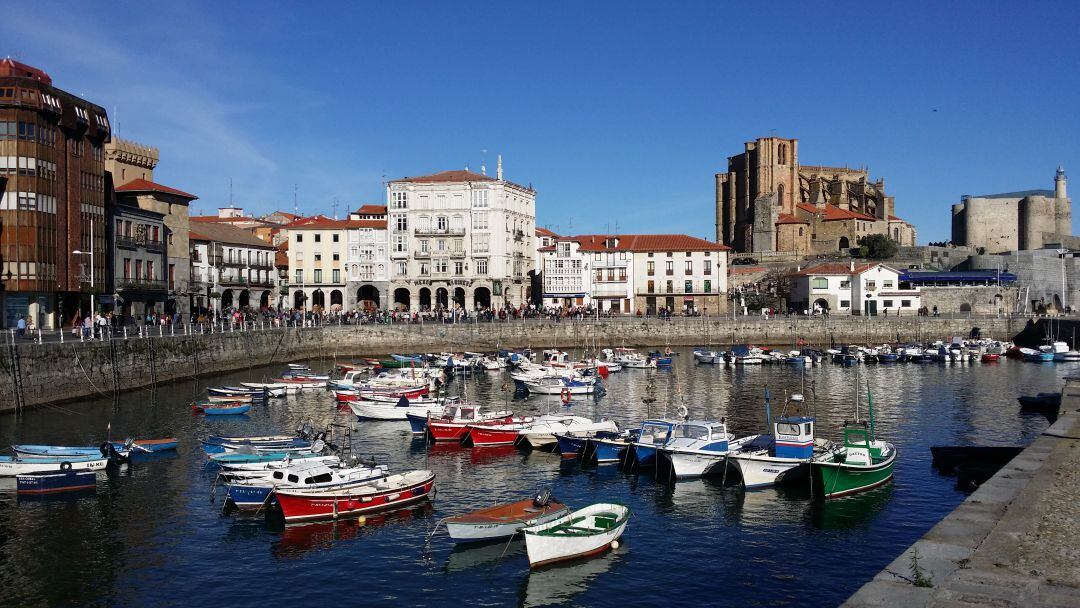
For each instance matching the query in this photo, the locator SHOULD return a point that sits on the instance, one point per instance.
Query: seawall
(53, 372)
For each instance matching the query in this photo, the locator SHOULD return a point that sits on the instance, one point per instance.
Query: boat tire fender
(65, 466)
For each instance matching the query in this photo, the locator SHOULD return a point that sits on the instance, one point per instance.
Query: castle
(1014, 221)
(768, 202)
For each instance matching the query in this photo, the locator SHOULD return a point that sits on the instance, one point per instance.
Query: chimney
(498, 170)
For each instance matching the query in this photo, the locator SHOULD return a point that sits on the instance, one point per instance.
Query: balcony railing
(126, 242)
(422, 254)
(155, 246)
(457, 254)
(132, 284)
(439, 231)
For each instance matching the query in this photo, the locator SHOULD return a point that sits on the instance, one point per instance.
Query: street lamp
(91, 254)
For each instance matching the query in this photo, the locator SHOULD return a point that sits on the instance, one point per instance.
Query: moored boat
(385, 494)
(505, 520)
(54, 482)
(579, 534)
(697, 448)
(221, 409)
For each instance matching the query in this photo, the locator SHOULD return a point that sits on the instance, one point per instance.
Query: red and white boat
(388, 493)
(508, 433)
(380, 394)
(453, 425)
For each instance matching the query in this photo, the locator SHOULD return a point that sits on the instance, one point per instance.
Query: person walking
(20, 327)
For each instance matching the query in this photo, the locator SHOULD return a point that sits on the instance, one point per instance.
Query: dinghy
(388, 493)
(584, 532)
(505, 520)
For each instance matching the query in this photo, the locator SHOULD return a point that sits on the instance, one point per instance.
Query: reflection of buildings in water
(471, 555)
(298, 539)
(560, 583)
(851, 512)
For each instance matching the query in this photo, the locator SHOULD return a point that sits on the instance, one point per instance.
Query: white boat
(561, 386)
(253, 493)
(505, 520)
(11, 466)
(708, 356)
(630, 358)
(378, 410)
(584, 532)
(765, 460)
(698, 448)
(1069, 355)
(541, 434)
(257, 469)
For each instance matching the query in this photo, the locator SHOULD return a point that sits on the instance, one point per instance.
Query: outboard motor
(543, 498)
(318, 446)
(108, 450)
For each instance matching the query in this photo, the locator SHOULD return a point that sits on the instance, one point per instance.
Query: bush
(877, 247)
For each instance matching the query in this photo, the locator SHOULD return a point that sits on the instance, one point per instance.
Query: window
(401, 222)
(172, 276)
(598, 257)
(871, 285)
(318, 275)
(318, 257)
(708, 267)
(887, 303)
(299, 276)
(336, 275)
(688, 287)
(336, 257)
(622, 274)
(650, 268)
(127, 268)
(440, 244)
(819, 283)
(440, 266)
(424, 246)
(845, 284)
(399, 200)
(138, 269)
(459, 268)
(400, 244)
(480, 221)
(651, 287)
(150, 269)
(599, 274)
(27, 131)
(440, 223)
(905, 303)
(157, 234)
(845, 303)
(299, 238)
(611, 274)
(318, 237)
(669, 254)
(402, 268)
(425, 269)
(886, 284)
(335, 238)
(689, 267)
(480, 198)
(707, 288)
(670, 267)
(480, 243)
(481, 266)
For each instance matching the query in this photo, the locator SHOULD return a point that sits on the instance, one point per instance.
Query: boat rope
(78, 362)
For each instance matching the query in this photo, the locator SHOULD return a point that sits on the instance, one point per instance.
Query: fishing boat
(606, 448)
(388, 493)
(571, 444)
(221, 409)
(253, 493)
(630, 358)
(222, 399)
(698, 448)
(378, 410)
(711, 357)
(237, 391)
(579, 534)
(453, 425)
(11, 466)
(253, 470)
(505, 520)
(742, 354)
(653, 435)
(861, 463)
(52, 483)
(541, 434)
(561, 386)
(25, 450)
(782, 456)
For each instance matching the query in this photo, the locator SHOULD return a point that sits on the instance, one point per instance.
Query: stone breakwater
(35, 374)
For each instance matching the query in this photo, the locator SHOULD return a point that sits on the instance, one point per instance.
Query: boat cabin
(794, 437)
(859, 447)
(700, 435)
(655, 432)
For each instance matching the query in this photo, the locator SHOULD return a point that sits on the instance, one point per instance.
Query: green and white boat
(861, 463)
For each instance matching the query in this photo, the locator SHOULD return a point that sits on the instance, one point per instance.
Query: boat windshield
(692, 431)
(787, 428)
(654, 433)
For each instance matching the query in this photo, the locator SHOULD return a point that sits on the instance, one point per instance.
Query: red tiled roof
(835, 268)
(790, 219)
(142, 185)
(893, 218)
(832, 213)
(371, 210)
(449, 176)
(321, 222)
(544, 232)
(644, 242)
(10, 67)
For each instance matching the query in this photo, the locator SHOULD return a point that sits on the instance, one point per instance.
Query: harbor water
(153, 533)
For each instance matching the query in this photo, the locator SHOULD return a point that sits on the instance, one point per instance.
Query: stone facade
(976, 300)
(230, 268)
(766, 190)
(1014, 221)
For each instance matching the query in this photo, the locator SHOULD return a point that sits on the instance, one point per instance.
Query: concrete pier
(1014, 542)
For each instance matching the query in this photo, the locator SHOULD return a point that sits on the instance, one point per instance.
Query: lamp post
(91, 254)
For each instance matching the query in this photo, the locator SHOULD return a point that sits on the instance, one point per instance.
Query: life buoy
(683, 412)
(565, 395)
(667, 351)
(65, 466)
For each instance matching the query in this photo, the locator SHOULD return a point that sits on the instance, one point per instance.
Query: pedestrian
(20, 326)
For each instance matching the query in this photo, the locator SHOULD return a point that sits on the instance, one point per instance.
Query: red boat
(453, 425)
(346, 396)
(483, 435)
(990, 358)
(388, 493)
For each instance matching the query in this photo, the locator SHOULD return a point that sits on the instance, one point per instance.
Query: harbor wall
(54, 372)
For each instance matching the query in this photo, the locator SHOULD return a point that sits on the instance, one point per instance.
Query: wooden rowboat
(583, 533)
(502, 521)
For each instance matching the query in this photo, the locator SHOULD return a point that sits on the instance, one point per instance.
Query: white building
(460, 239)
(859, 289)
(636, 272)
(368, 258)
(230, 267)
(317, 253)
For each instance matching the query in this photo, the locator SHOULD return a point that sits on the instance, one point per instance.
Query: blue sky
(615, 112)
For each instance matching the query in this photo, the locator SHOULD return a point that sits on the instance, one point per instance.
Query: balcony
(132, 284)
(458, 253)
(126, 242)
(439, 232)
(422, 255)
(155, 246)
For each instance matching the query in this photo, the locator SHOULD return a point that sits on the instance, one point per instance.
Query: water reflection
(561, 583)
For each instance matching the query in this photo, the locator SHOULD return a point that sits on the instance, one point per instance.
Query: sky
(619, 114)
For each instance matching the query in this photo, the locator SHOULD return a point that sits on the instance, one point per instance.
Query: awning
(564, 295)
(688, 298)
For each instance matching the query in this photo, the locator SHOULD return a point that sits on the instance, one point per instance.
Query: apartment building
(230, 268)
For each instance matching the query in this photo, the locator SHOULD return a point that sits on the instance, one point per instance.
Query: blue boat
(888, 357)
(51, 483)
(239, 458)
(222, 410)
(607, 447)
(571, 445)
(149, 445)
(653, 435)
(56, 451)
(417, 423)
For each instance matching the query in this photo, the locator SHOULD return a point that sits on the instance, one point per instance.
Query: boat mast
(870, 410)
(857, 372)
(768, 412)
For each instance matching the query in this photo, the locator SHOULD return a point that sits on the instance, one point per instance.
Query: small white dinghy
(584, 532)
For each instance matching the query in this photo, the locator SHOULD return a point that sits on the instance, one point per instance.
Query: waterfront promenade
(35, 373)
(1014, 542)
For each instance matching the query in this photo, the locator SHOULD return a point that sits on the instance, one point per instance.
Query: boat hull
(477, 527)
(372, 410)
(571, 447)
(10, 466)
(688, 465)
(545, 549)
(52, 483)
(385, 495)
(835, 480)
(766, 471)
(484, 436)
(607, 451)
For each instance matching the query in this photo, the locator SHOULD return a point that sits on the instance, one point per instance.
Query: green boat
(861, 463)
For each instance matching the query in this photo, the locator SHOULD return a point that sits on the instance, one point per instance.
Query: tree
(877, 247)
